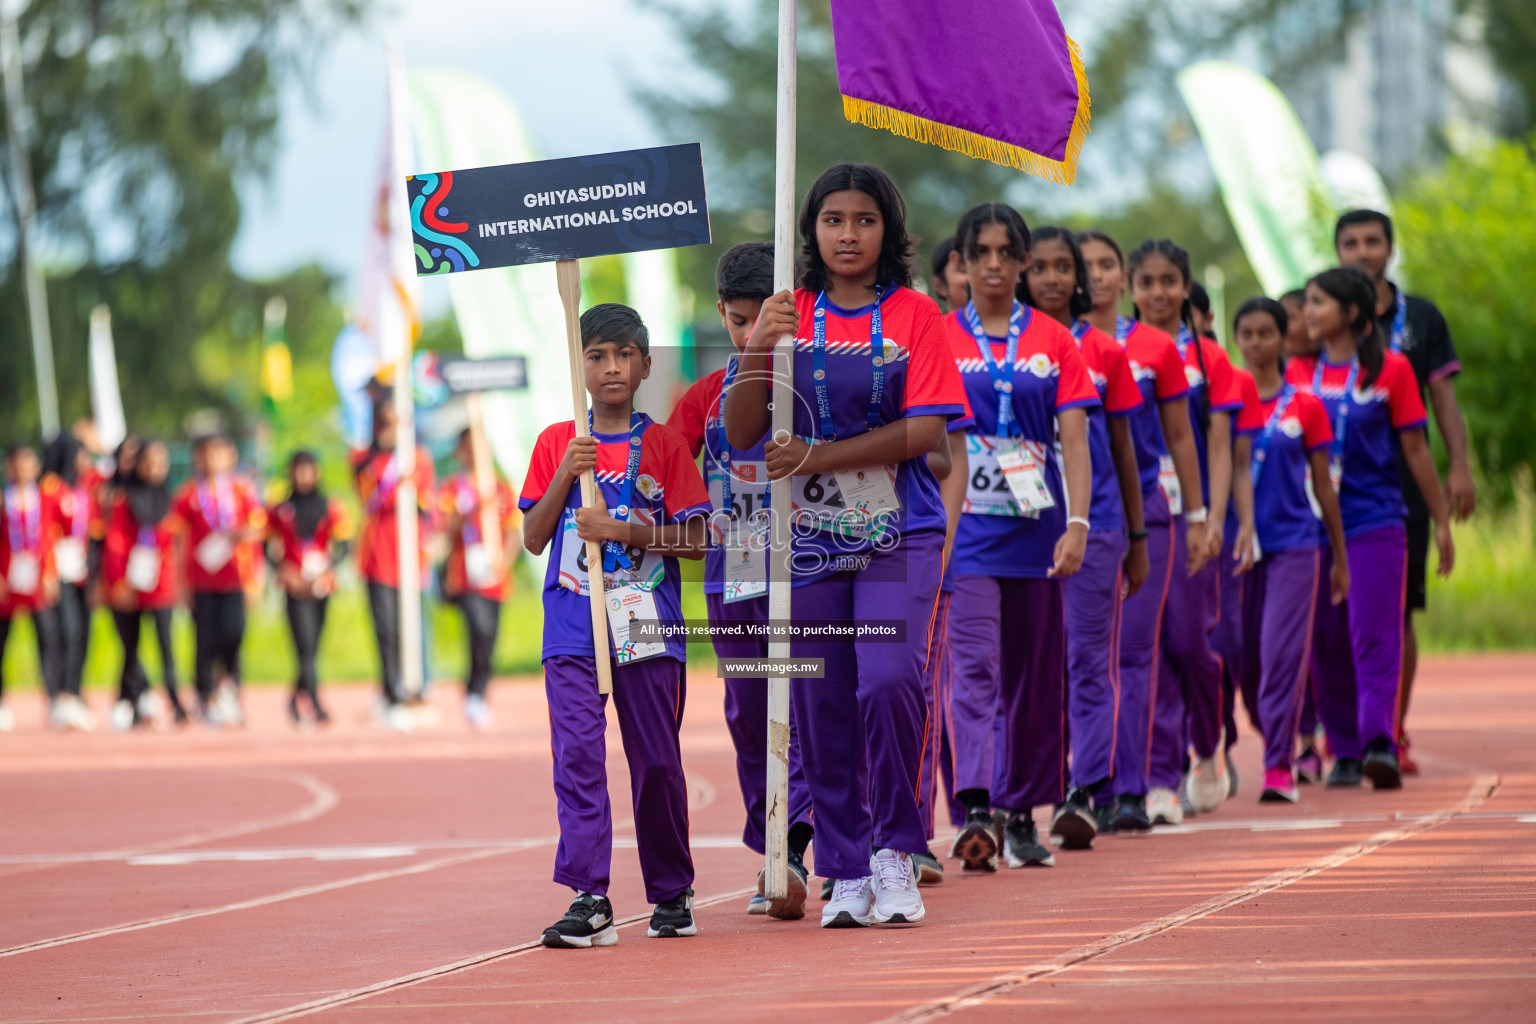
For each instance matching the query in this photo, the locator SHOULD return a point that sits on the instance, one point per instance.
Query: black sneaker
(1381, 766)
(1131, 814)
(791, 907)
(588, 923)
(929, 870)
(1074, 825)
(674, 918)
(1346, 772)
(976, 845)
(1104, 816)
(1022, 845)
(827, 885)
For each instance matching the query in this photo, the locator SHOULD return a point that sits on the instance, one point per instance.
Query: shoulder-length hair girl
(968, 233)
(1081, 302)
(895, 262)
(1351, 286)
(1179, 257)
(1264, 304)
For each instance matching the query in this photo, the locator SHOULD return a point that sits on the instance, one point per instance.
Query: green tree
(147, 116)
(1468, 242)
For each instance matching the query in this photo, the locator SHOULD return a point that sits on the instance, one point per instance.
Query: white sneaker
(850, 905)
(228, 702)
(122, 716)
(399, 718)
(150, 708)
(80, 716)
(7, 720)
(58, 713)
(477, 712)
(1163, 806)
(895, 886)
(1208, 785)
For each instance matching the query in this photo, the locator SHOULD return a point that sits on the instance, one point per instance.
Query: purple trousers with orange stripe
(649, 697)
(1141, 628)
(1008, 648)
(937, 765)
(1186, 698)
(1093, 657)
(1279, 617)
(862, 727)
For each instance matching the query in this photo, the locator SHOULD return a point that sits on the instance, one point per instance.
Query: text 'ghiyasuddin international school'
(587, 218)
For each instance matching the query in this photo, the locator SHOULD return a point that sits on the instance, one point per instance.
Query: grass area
(347, 649)
(1487, 604)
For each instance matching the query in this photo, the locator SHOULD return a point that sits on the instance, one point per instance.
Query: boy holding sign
(736, 571)
(655, 506)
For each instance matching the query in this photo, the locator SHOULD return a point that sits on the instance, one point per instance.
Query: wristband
(1137, 535)
(1078, 519)
(1196, 516)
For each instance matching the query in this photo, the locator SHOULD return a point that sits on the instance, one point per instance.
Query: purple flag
(994, 79)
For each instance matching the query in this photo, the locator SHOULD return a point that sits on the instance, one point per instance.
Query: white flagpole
(776, 880)
(402, 276)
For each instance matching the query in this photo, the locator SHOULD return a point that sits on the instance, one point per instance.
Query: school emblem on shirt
(647, 486)
(1040, 365)
(1291, 427)
(1193, 377)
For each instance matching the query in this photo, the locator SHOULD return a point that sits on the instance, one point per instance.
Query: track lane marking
(1482, 788)
(356, 995)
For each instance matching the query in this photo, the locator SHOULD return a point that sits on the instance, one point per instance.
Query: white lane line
(356, 995)
(1483, 787)
(279, 897)
(322, 799)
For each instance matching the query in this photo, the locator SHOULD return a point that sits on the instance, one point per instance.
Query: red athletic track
(357, 875)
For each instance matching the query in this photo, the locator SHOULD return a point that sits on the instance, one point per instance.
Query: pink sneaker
(1279, 786)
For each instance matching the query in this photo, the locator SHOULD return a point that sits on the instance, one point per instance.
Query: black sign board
(558, 209)
(505, 373)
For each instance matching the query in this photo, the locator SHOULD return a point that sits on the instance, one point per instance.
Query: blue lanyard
(1341, 416)
(1400, 321)
(1123, 328)
(1002, 380)
(1080, 331)
(1261, 446)
(23, 518)
(722, 447)
(1184, 340)
(819, 366)
(614, 556)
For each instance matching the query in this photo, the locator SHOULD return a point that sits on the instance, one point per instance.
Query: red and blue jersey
(666, 490)
(1159, 375)
(1110, 369)
(697, 418)
(1217, 381)
(1049, 376)
(917, 379)
(1370, 494)
(1246, 421)
(1291, 425)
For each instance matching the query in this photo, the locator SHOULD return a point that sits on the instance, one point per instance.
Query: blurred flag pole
(106, 397)
(776, 876)
(398, 332)
(19, 124)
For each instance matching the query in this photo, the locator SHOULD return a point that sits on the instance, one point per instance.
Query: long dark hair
(1351, 286)
(1081, 301)
(1095, 235)
(895, 262)
(968, 234)
(1179, 257)
(148, 502)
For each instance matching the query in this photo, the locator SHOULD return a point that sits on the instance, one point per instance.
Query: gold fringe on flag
(934, 133)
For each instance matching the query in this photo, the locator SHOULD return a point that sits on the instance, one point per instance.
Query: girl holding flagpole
(1370, 395)
(1168, 468)
(874, 386)
(1057, 285)
(1024, 529)
(1282, 590)
(1187, 692)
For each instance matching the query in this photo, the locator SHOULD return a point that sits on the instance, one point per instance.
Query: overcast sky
(569, 67)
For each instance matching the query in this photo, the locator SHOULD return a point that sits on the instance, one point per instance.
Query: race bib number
(1006, 479)
(855, 504)
(214, 551)
(648, 566)
(69, 557)
(628, 604)
(749, 488)
(24, 573)
(144, 568)
(1168, 480)
(479, 569)
(744, 547)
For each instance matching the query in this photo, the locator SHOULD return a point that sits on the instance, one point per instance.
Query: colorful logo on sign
(446, 254)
